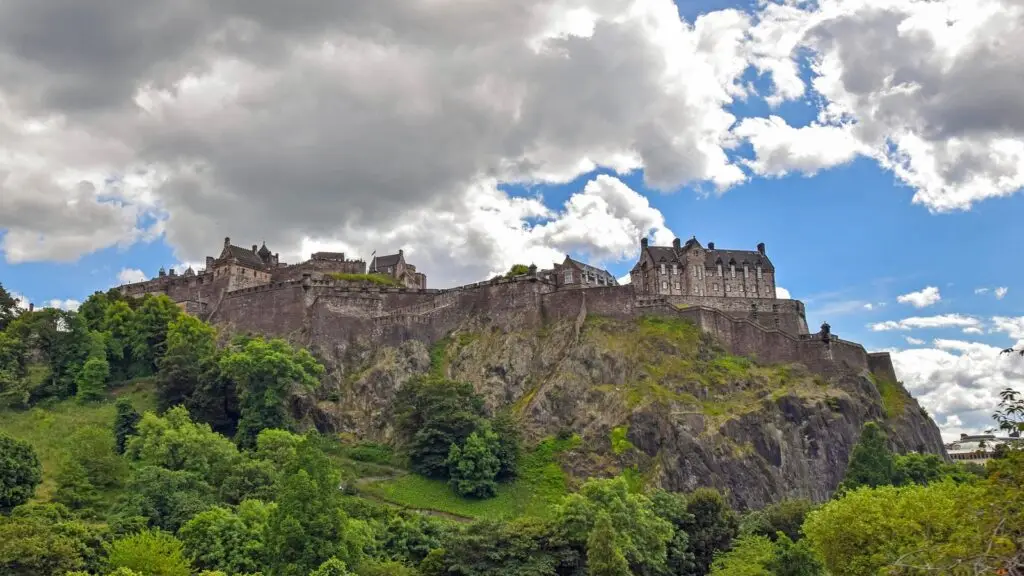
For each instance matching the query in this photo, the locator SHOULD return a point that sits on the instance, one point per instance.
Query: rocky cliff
(654, 395)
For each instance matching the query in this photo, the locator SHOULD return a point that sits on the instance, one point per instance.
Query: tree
(20, 472)
(8, 307)
(784, 517)
(74, 489)
(640, 534)
(165, 498)
(46, 540)
(713, 527)
(265, 372)
(189, 361)
(1010, 415)
(92, 380)
(332, 567)
(125, 423)
(603, 556)
(149, 552)
(308, 526)
(509, 445)
(175, 442)
(432, 414)
(794, 559)
(671, 507)
(871, 462)
(517, 270)
(148, 341)
(221, 539)
(473, 468)
(749, 556)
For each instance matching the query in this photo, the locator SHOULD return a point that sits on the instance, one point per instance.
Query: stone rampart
(327, 312)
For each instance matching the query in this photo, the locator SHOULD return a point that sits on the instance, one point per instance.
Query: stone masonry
(251, 291)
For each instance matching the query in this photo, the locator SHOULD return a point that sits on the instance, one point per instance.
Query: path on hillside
(360, 485)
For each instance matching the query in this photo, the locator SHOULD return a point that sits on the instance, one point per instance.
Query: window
(746, 271)
(664, 285)
(662, 268)
(728, 288)
(716, 287)
(676, 286)
(732, 270)
(776, 322)
(759, 272)
(719, 270)
(675, 269)
(568, 277)
(695, 271)
(775, 307)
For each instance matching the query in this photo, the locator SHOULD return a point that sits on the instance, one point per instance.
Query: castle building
(575, 274)
(690, 269)
(394, 265)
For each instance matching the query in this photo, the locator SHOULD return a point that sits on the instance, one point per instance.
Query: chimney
(227, 241)
(173, 272)
(31, 307)
(400, 252)
(711, 245)
(253, 248)
(643, 243)
(760, 248)
(209, 262)
(676, 244)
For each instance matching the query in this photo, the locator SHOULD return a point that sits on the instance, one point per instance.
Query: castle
(730, 294)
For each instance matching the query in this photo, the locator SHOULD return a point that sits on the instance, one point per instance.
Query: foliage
(871, 462)
(432, 414)
(604, 558)
(307, 527)
(164, 498)
(517, 270)
(713, 526)
(894, 397)
(379, 279)
(125, 423)
(794, 559)
(175, 442)
(1010, 414)
(264, 372)
(672, 507)
(640, 533)
(620, 442)
(509, 446)
(473, 468)
(786, 517)
(149, 552)
(46, 540)
(20, 472)
(748, 556)
(222, 539)
(92, 380)
(868, 530)
(8, 307)
(153, 315)
(89, 467)
(190, 359)
(524, 547)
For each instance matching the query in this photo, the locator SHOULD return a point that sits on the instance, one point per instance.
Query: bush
(473, 468)
(20, 472)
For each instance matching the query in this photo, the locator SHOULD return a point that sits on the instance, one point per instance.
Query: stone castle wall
(327, 313)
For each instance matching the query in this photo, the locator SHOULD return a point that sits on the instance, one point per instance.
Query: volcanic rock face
(684, 413)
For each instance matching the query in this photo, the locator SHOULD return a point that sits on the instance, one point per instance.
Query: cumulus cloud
(922, 298)
(130, 275)
(900, 77)
(408, 110)
(780, 149)
(940, 321)
(1011, 326)
(781, 292)
(23, 302)
(70, 305)
(958, 382)
(973, 330)
(914, 341)
(1000, 292)
(981, 290)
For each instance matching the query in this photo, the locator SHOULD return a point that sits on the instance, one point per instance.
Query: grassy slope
(47, 427)
(540, 485)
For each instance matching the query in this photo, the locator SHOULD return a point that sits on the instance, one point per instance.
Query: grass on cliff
(894, 398)
(678, 366)
(47, 427)
(378, 279)
(540, 485)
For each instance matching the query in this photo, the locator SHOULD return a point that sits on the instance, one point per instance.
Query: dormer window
(719, 269)
(675, 269)
(732, 270)
(663, 268)
(567, 279)
(746, 271)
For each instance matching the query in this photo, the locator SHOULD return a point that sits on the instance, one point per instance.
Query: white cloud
(900, 76)
(130, 275)
(940, 321)
(973, 330)
(408, 109)
(1012, 326)
(70, 305)
(625, 279)
(958, 382)
(782, 293)
(869, 306)
(981, 290)
(23, 302)
(1001, 291)
(780, 148)
(922, 298)
(914, 341)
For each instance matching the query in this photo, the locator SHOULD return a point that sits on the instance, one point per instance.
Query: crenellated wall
(327, 312)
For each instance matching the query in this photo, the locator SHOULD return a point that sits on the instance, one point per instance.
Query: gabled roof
(244, 256)
(609, 279)
(668, 255)
(385, 261)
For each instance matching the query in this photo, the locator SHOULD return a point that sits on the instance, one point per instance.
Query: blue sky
(862, 193)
